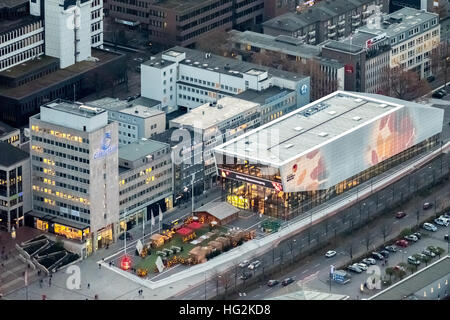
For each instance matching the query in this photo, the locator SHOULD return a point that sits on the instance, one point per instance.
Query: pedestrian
(50, 282)
(40, 283)
(89, 285)
(99, 266)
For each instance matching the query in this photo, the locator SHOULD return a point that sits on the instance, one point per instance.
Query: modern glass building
(310, 155)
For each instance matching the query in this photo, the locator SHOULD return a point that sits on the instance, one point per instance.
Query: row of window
(57, 213)
(21, 57)
(146, 181)
(58, 134)
(60, 144)
(20, 31)
(21, 44)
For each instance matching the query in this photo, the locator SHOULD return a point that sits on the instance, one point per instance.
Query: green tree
(390, 272)
(439, 251)
(405, 232)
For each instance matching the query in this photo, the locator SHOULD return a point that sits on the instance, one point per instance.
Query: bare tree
(404, 84)
(368, 237)
(385, 230)
(350, 248)
(217, 42)
(441, 10)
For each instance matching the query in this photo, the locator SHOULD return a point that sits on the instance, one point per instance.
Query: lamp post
(192, 187)
(447, 62)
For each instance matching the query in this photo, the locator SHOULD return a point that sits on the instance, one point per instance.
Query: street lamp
(13, 232)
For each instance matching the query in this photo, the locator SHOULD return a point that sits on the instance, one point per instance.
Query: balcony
(331, 35)
(366, 13)
(356, 24)
(342, 22)
(331, 27)
(312, 33)
(312, 40)
(356, 16)
(341, 30)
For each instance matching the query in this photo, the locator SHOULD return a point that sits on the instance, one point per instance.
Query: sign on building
(159, 264)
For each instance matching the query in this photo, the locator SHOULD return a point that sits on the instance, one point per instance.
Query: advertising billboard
(360, 149)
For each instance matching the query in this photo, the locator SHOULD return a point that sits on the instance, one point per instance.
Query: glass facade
(287, 205)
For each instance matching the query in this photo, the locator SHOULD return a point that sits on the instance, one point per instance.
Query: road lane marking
(305, 271)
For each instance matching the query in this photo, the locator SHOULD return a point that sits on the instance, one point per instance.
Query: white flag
(153, 218)
(160, 214)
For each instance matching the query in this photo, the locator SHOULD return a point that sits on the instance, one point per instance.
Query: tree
(405, 232)
(390, 272)
(350, 249)
(441, 10)
(216, 42)
(367, 239)
(385, 230)
(439, 251)
(411, 268)
(404, 84)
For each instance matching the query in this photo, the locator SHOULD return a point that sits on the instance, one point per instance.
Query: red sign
(125, 263)
(348, 68)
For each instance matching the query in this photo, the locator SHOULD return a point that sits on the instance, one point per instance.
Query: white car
(244, 263)
(330, 254)
(255, 264)
(441, 222)
(362, 266)
(429, 226)
(368, 261)
(411, 237)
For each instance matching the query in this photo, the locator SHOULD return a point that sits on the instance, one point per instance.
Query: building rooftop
(206, 116)
(181, 5)
(11, 3)
(146, 102)
(140, 149)
(416, 281)
(76, 108)
(284, 44)
(262, 97)
(304, 129)
(10, 25)
(111, 104)
(10, 155)
(216, 63)
(401, 21)
(220, 210)
(6, 129)
(321, 11)
(58, 76)
(141, 111)
(342, 46)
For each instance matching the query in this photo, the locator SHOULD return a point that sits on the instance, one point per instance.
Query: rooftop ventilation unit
(188, 61)
(89, 109)
(356, 118)
(205, 65)
(383, 105)
(358, 100)
(298, 128)
(248, 150)
(196, 63)
(323, 134)
(331, 112)
(219, 106)
(290, 145)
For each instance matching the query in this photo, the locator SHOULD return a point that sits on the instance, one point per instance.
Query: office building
(15, 186)
(145, 182)
(293, 49)
(329, 19)
(312, 154)
(186, 78)
(135, 121)
(9, 134)
(412, 34)
(182, 22)
(205, 128)
(74, 157)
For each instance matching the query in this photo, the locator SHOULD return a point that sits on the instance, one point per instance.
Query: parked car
(397, 267)
(330, 254)
(417, 234)
(255, 264)
(429, 226)
(411, 237)
(244, 263)
(413, 260)
(245, 276)
(272, 283)
(354, 267)
(420, 256)
(428, 253)
(400, 214)
(287, 281)
(427, 206)
(402, 243)
(439, 94)
(122, 236)
(446, 215)
(362, 266)
(441, 222)
(385, 253)
(369, 261)
(377, 256)
(391, 248)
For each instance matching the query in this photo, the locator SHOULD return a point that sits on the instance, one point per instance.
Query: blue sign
(106, 147)
(303, 89)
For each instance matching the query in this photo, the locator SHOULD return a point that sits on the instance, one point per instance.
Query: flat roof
(416, 281)
(108, 103)
(58, 76)
(66, 222)
(77, 108)
(220, 210)
(305, 129)
(142, 148)
(224, 65)
(10, 25)
(141, 111)
(285, 44)
(10, 155)
(205, 116)
(260, 97)
(11, 3)
(409, 18)
(181, 5)
(147, 102)
(6, 129)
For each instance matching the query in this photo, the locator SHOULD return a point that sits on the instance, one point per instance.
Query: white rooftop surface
(141, 111)
(295, 134)
(204, 116)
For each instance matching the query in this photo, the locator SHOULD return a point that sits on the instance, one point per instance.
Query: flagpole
(143, 226)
